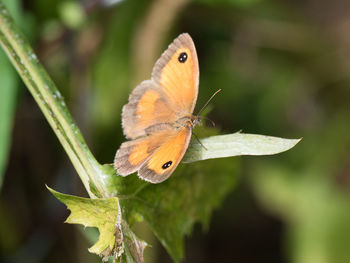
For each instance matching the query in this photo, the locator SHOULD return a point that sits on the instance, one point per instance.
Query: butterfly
(158, 119)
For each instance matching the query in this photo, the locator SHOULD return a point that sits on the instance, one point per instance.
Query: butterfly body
(158, 119)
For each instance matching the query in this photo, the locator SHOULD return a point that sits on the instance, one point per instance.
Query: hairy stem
(52, 105)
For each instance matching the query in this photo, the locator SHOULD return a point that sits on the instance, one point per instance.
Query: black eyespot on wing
(182, 57)
(167, 165)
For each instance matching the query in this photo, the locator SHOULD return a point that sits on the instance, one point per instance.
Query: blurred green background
(283, 67)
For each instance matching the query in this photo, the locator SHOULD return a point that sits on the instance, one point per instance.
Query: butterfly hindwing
(155, 156)
(133, 154)
(166, 157)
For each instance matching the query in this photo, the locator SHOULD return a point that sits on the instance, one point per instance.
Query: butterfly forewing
(177, 73)
(147, 106)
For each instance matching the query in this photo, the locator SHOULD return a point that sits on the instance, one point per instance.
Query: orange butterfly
(158, 118)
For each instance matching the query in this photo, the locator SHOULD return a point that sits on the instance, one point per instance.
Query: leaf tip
(295, 142)
(51, 190)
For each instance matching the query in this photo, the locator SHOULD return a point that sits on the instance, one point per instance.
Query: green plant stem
(51, 104)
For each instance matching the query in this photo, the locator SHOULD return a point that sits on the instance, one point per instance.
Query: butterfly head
(196, 120)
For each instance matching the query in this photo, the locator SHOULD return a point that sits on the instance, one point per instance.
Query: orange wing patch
(171, 151)
(132, 154)
(166, 158)
(153, 109)
(127, 160)
(139, 153)
(146, 146)
(177, 73)
(146, 105)
(177, 79)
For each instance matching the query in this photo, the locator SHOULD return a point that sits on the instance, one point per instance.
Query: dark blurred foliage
(283, 67)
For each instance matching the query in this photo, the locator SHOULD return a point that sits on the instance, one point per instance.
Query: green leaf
(8, 92)
(172, 208)
(237, 144)
(105, 215)
(194, 190)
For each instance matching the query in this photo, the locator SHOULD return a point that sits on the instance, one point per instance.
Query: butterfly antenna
(199, 141)
(206, 104)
